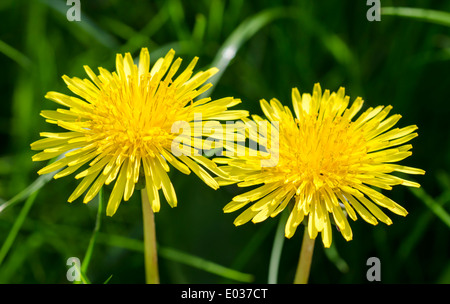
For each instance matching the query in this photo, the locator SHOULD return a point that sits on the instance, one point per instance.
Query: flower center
(129, 118)
(325, 152)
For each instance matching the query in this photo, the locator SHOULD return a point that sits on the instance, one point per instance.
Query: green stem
(17, 226)
(277, 247)
(304, 263)
(151, 258)
(92, 241)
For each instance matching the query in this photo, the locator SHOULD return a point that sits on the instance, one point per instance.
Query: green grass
(263, 49)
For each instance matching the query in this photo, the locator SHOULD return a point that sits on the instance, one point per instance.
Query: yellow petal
(95, 188)
(167, 187)
(117, 193)
(152, 192)
(82, 186)
(326, 233)
(244, 217)
(199, 171)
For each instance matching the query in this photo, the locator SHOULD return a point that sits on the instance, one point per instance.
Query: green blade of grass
(83, 278)
(177, 256)
(16, 226)
(20, 254)
(143, 37)
(215, 18)
(277, 247)
(247, 29)
(108, 279)
(444, 278)
(436, 208)
(15, 55)
(253, 245)
(411, 241)
(86, 27)
(198, 33)
(90, 249)
(177, 14)
(33, 187)
(420, 227)
(205, 265)
(334, 257)
(427, 15)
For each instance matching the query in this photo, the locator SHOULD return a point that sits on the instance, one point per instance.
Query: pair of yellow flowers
(327, 161)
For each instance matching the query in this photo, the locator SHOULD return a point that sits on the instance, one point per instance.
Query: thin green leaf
(176, 255)
(411, 241)
(199, 28)
(33, 187)
(87, 25)
(247, 29)
(16, 226)
(108, 279)
(176, 13)
(436, 208)
(90, 249)
(275, 256)
(253, 245)
(20, 254)
(333, 255)
(15, 55)
(427, 15)
(84, 279)
(215, 18)
(205, 265)
(444, 278)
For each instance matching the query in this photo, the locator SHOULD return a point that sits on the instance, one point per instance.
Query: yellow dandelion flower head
(120, 127)
(326, 161)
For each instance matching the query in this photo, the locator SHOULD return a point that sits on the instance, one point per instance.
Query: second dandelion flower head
(327, 164)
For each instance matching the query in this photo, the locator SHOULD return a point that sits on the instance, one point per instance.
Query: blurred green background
(278, 45)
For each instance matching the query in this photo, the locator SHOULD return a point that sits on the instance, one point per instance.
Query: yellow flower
(120, 128)
(326, 160)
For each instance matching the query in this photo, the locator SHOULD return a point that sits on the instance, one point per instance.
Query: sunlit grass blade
(33, 187)
(83, 278)
(247, 29)
(177, 14)
(178, 256)
(108, 279)
(90, 249)
(15, 55)
(427, 15)
(6, 246)
(277, 247)
(334, 257)
(418, 232)
(143, 37)
(436, 208)
(205, 265)
(87, 26)
(422, 228)
(20, 253)
(444, 278)
(215, 18)
(414, 236)
(119, 241)
(199, 29)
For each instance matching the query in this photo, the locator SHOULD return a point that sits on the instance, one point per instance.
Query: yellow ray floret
(119, 128)
(328, 162)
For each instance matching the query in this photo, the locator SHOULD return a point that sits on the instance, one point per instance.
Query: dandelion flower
(328, 162)
(120, 128)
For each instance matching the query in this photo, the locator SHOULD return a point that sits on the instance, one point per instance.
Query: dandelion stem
(304, 263)
(151, 258)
